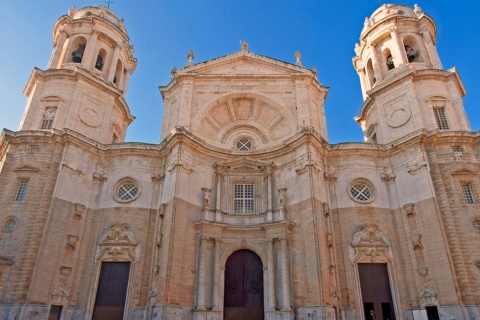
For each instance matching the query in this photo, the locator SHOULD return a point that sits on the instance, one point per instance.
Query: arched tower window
(412, 49)
(118, 73)
(370, 74)
(78, 47)
(387, 55)
(102, 54)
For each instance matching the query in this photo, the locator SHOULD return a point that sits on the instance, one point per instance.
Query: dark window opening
(77, 55)
(432, 313)
(390, 64)
(99, 63)
(55, 312)
(411, 54)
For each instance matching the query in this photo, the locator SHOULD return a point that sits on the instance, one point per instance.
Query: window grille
(127, 191)
(441, 118)
(244, 144)
(476, 224)
(47, 124)
(244, 201)
(22, 190)
(361, 192)
(10, 225)
(468, 192)
(457, 149)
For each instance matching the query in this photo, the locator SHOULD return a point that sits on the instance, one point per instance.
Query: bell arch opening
(243, 286)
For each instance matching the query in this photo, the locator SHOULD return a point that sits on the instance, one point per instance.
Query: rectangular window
(457, 149)
(47, 124)
(441, 118)
(244, 199)
(468, 192)
(47, 118)
(22, 190)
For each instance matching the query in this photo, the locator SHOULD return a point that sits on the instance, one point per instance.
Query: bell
(77, 57)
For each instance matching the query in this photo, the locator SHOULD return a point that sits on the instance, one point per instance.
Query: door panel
(112, 291)
(376, 292)
(243, 295)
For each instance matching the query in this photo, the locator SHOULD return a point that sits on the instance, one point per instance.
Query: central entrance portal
(243, 287)
(376, 291)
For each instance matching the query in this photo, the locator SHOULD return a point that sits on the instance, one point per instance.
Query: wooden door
(376, 292)
(55, 312)
(243, 294)
(112, 291)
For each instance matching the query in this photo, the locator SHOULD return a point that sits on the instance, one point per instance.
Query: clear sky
(163, 31)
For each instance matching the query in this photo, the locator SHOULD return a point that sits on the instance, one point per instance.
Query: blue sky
(162, 32)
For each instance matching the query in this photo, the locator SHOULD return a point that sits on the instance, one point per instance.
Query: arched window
(370, 73)
(118, 74)
(387, 55)
(412, 49)
(78, 46)
(102, 54)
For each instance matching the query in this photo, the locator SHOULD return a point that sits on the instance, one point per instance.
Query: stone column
(113, 63)
(57, 53)
(218, 199)
(285, 276)
(89, 50)
(201, 274)
(269, 195)
(399, 52)
(432, 50)
(363, 79)
(128, 73)
(376, 67)
(270, 275)
(216, 275)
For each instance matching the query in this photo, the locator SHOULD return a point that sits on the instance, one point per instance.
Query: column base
(316, 313)
(207, 314)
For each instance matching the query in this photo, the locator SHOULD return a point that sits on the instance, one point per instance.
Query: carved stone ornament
(153, 296)
(388, 177)
(422, 270)
(416, 240)
(59, 296)
(417, 168)
(118, 244)
(207, 193)
(409, 208)
(428, 297)
(71, 241)
(370, 245)
(281, 196)
(329, 239)
(65, 270)
(181, 165)
(158, 176)
(334, 295)
(244, 46)
(100, 177)
(79, 209)
(332, 177)
(326, 208)
(6, 261)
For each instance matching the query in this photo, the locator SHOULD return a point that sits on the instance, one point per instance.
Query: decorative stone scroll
(370, 245)
(118, 244)
(428, 297)
(59, 296)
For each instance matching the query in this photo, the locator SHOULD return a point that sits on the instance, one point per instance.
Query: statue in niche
(206, 197)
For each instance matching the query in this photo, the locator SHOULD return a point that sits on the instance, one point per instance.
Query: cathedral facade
(244, 210)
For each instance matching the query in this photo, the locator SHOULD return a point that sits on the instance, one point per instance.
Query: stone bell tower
(404, 85)
(86, 81)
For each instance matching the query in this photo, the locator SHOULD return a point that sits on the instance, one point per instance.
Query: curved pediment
(248, 116)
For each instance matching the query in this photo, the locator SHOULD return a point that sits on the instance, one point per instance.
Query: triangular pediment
(243, 163)
(26, 169)
(244, 63)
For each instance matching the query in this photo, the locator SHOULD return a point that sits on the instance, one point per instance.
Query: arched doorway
(243, 294)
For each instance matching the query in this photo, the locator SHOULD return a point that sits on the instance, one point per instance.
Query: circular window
(126, 190)
(476, 224)
(361, 190)
(244, 144)
(10, 224)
